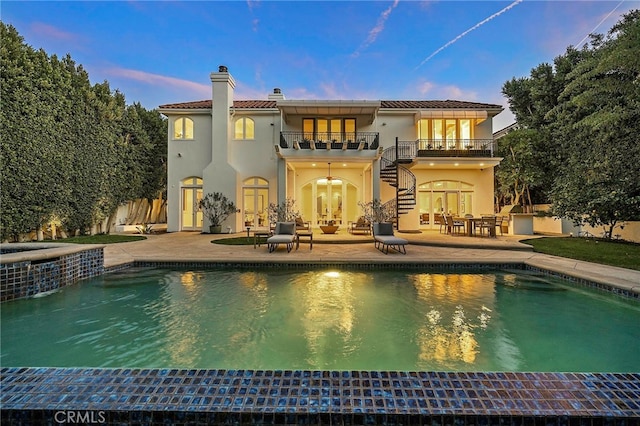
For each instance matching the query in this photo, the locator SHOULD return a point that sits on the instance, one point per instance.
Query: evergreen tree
(70, 151)
(585, 111)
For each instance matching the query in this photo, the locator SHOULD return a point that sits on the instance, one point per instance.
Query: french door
(191, 215)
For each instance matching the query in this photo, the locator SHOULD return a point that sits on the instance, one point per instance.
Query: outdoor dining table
(470, 225)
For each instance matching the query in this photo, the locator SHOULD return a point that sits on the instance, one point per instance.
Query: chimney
(223, 85)
(276, 95)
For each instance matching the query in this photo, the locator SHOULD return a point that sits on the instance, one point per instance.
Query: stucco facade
(258, 152)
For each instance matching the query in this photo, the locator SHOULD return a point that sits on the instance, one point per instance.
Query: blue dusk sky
(158, 52)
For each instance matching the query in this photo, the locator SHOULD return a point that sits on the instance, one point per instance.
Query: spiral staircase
(398, 176)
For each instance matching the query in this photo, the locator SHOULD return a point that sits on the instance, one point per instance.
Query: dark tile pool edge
(484, 265)
(179, 396)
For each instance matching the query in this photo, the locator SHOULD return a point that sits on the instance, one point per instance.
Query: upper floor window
(244, 128)
(183, 128)
(329, 128)
(449, 129)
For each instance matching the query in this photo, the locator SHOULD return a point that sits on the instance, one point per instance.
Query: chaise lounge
(384, 239)
(284, 233)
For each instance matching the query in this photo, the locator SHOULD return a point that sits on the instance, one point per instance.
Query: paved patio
(428, 246)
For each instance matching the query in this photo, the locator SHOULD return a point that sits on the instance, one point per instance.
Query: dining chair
(456, 225)
(488, 223)
(499, 220)
(437, 219)
(444, 222)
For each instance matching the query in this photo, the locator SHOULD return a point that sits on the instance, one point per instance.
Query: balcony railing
(456, 147)
(354, 141)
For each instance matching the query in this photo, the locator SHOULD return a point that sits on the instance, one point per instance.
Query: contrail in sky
(373, 34)
(478, 25)
(596, 27)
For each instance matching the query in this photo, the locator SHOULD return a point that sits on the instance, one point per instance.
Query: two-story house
(423, 157)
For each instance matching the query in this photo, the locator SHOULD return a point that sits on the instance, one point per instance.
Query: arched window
(244, 128)
(183, 128)
(450, 196)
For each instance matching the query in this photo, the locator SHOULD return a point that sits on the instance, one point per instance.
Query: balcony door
(329, 129)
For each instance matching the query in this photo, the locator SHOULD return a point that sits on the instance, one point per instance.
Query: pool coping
(40, 395)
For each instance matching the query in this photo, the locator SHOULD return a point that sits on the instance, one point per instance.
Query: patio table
(304, 234)
(258, 234)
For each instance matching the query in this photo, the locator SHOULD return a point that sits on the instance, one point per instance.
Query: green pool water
(342, 320)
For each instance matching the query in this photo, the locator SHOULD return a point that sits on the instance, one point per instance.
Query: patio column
(282, 180)
(375, 177)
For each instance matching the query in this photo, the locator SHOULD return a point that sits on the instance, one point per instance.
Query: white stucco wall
(186, 158)
(224, 162)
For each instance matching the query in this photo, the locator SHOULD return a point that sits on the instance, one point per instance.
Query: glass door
(446, 202)
(329, 200)
(256, 207)
(453, 204)
(192, 216)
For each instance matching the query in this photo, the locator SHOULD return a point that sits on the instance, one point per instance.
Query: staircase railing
(398, 176)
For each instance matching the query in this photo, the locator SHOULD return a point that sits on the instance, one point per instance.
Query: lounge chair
(301, 225)
(284, 233)
(361, 225)
(384, 239)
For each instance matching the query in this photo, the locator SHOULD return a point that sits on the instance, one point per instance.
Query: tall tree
(599, 120)
(70, 150)
(518, 172)
(531, 100)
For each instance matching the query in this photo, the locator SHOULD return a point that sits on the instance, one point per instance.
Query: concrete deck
(428, 246)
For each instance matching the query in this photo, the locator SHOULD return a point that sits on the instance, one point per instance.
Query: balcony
(339, 141)
(455, 148)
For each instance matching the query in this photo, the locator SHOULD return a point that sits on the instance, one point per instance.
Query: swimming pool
(324, 320)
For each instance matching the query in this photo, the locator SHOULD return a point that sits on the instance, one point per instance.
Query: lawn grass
(239, 241)
(100, 239)
(614, 253)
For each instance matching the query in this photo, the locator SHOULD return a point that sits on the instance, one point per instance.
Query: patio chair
(444, 222)
(301, 225)
(437, 220)
(384, 239)
(488, 223)
(455, 225)
(499, 220)
(284, 233)
(361, 225)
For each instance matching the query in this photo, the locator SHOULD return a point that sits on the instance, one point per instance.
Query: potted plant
(376, 212)
(283, 212)
(217, 209)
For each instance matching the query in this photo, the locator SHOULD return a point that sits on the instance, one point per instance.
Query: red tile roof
(254, 104)
(448, 104)
(257, 104)
(188, 105)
